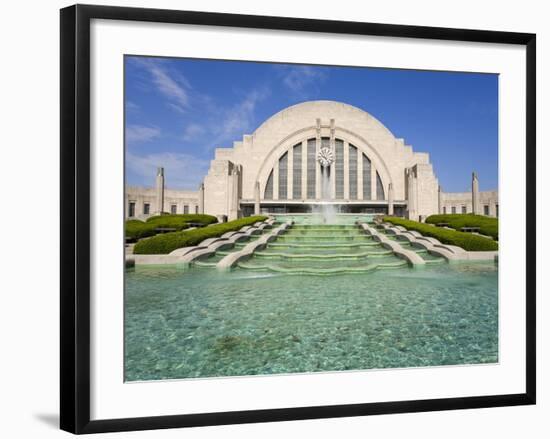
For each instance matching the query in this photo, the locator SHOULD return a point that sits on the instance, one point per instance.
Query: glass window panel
(297, 172)
(146, 208)
(366, 178)
(311, 145)
(352, 172)
(131, 209)
(339, 168)
(268, 194)
(379, 188)
(283, 176)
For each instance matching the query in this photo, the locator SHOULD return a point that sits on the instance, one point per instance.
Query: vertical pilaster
(439, 200)
(332, 168)
(346, 171)
(234, 201)
(304, 170)
(229, 190)
(290, 174)
(318, 194)
(359, 174)
(372, 181)
(201, 198)
(412, 195)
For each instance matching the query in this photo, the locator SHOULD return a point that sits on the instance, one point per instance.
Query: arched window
(305, 174)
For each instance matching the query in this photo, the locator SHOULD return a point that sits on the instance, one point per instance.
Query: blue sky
(179, 110)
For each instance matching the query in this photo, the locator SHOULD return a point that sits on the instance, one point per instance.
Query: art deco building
(311, 153)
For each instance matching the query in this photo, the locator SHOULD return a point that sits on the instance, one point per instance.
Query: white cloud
(192, 131)
(239, 119)
(172, 85)
(141, 133)
(132, 106)
(301, 79)
(183, 171)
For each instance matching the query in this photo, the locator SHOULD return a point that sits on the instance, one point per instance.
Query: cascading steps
(321, 250)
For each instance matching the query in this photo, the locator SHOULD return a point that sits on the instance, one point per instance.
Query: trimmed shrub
(170, 220)
(467, 241)
(487, 225)
(168, 242)
(136, 229)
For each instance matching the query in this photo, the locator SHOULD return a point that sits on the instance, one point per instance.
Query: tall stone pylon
(234, 193)
(475, 194)
(411, 195)
(201, 198)
(160, 190)
(257, 198)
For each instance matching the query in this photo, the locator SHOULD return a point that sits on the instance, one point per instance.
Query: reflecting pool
(204, 323)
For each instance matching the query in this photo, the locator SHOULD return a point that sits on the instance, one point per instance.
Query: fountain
(265, 317)
(327, 210)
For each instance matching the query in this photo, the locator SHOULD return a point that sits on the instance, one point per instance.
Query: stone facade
(461, 202)
(143, 202)
(278, 169)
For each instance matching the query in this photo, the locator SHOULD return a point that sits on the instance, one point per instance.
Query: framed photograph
(273, 218)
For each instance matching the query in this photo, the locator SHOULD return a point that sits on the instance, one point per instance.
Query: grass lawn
(487, 225)
(467, 241)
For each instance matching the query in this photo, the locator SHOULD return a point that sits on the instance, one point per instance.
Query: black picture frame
(75, 217)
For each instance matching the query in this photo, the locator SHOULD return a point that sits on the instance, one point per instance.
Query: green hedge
(487, 225)
(174, 219)
(467, 241)
(136, 229)
(168, 242)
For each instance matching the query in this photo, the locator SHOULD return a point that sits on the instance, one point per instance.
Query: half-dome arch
(280, 159)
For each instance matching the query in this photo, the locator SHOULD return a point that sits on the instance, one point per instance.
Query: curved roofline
(328, 101)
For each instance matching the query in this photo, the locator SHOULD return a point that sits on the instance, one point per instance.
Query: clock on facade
(325, 157)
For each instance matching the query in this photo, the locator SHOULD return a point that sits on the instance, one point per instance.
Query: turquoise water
(201, 323)
(363, 309)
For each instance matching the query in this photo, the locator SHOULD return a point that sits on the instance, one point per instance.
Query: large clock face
(325, 157)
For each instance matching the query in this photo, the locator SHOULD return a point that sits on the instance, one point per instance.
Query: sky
(177, 111)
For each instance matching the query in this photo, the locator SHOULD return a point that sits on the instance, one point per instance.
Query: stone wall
(463, 200)
(141, 195)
